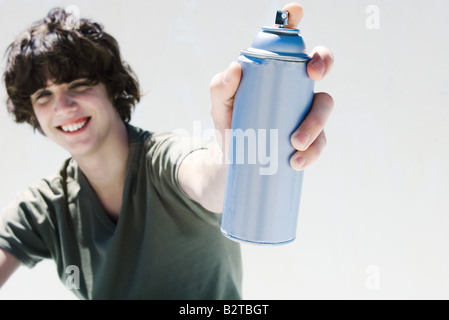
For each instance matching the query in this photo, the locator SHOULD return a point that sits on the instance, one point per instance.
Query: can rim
(281, 30)
(271, 55)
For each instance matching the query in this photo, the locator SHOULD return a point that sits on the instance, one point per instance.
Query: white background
(374, 214)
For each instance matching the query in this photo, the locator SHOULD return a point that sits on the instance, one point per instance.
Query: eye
(42, 95)
(80, 86)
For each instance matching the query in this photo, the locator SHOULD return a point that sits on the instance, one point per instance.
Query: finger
(222, 90)
(320, 64)
(295, 13)
(302, 159)
(314, 123)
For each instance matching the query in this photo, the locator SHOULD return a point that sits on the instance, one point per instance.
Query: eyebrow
(76, 81)
(80, 80)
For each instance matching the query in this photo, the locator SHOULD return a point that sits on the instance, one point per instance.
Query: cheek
(100, 95)
(43, 118)
(100, 106)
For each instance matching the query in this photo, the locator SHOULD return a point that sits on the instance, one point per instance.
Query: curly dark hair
(55, 49)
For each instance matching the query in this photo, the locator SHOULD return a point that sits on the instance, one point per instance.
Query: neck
(105, 169)
(105, 165)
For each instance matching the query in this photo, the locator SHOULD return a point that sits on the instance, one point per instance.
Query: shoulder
(30, 224)
(167, 144)
(175, 145)
(49, 192)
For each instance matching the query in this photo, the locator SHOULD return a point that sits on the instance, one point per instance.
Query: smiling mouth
(75, 126)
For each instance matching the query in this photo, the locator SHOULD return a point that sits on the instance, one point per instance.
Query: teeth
(73, 127)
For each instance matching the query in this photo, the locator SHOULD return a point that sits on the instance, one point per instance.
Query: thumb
(223, 87)
(222, 91)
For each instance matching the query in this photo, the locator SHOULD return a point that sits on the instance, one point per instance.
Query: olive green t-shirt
(164, 245)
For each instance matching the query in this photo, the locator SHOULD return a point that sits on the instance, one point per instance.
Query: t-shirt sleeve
(24, 227)
(167, 152)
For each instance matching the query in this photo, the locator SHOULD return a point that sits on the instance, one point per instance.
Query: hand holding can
(275, 95)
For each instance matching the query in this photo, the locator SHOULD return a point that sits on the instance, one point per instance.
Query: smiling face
(78, 116)
(50, 49)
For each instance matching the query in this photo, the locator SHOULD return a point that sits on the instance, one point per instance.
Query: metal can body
(262, 196)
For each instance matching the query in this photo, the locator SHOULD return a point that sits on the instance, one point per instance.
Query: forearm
(202, 176)
(8, 264)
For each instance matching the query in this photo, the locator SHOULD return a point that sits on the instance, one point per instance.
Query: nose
(64, 103)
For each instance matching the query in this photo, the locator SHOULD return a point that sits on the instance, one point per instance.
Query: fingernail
(300, 162)
(303, 138)
(318, 65)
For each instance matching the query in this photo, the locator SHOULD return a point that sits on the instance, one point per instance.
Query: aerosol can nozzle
(281, 18)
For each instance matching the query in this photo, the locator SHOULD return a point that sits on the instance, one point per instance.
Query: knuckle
(317, 147)
(314, 151)
(324, 139)
(326, 100)
(316, 123)
(215, 82)
(323, 105)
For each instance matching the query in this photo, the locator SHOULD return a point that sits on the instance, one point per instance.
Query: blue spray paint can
(262, 196)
